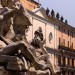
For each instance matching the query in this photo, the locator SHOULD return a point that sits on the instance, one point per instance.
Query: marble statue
(17, 56)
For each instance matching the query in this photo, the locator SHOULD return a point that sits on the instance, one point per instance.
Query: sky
(64, 7)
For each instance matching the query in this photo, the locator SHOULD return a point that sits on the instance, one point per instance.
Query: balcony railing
(68, 67)
(66, 48)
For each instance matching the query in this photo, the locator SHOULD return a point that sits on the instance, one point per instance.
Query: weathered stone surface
(2, 44)
(3, 71)
(32, 71)
(45, 72)
(16, 65)
(36, 55)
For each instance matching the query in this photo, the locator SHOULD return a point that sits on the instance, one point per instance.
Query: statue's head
(9, 3)
(40, 29)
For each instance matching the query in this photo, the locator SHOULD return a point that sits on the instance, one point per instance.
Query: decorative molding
(50, 37)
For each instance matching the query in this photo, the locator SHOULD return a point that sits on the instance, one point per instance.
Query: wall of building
(62, 31)
(57, 33)
(29, 4)
(43, 15)
(66, 35)
(47, 29)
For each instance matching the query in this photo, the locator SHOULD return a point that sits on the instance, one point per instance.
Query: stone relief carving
(50, 37)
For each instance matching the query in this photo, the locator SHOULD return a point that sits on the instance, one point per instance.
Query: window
(59, 60)
(59, 41)
(68, 73)
(72, 73)
(59, 27)
(64, 30)
(72, 62)
(72, 45)
(68, 61)
(34, 7)
(63, 72)
(68, 33)
(63, 42)
(68, 43)
(72, 34)
(55, 60)
(64, 61)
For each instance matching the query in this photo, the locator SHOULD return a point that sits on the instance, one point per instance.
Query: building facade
(49, 30)
(59, 36)
(66, 47)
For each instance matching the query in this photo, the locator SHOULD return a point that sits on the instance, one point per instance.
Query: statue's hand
(1, 17)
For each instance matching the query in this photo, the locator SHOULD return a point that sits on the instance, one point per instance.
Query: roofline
(52, 20)
(34, 2)
(41, 18)
(61, 23)
(38, 9)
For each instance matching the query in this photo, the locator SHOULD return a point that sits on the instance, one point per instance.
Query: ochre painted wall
(30, 5)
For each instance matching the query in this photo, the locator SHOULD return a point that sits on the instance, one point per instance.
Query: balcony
(68, 67)
(60, 47)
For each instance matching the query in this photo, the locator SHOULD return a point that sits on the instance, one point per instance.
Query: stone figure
(61, 19)
(52, 13)
(5, 24)
(47, 12)
(37, 38)
(16, 54)
(57, 16)
(66, 22)
(50, 37)
(41, 53)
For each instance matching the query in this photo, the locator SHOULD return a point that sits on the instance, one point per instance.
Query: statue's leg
(51, 66)
(13, 49)
(47, 59)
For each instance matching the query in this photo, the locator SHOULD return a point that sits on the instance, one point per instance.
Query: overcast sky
(66, 8)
